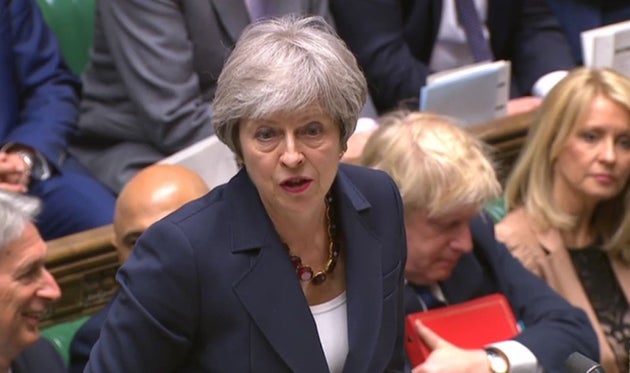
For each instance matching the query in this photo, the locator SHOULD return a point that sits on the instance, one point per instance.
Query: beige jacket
(545, 254)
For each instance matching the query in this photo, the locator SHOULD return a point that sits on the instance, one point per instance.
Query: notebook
(472, 324)
(474, 93)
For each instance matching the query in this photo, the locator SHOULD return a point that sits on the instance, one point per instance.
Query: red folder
(472, 324)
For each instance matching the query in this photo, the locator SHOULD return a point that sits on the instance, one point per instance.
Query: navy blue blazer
(393, 41)
(41, 357)
(39, 96)
(211, 288)
(553, 328)
(84, 339)
(577, 16)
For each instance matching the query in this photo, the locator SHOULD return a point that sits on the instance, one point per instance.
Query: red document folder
(472, 324)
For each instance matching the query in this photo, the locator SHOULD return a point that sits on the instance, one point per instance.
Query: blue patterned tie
(428, 299)
(470, 21)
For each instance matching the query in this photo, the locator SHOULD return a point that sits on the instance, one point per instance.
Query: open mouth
(293, 183)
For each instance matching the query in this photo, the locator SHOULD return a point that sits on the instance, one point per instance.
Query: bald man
(153, 193)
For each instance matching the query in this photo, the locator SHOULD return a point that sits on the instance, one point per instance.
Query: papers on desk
(608, 46)
(473, 93)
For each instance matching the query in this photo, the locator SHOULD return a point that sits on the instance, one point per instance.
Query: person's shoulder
(365, 176)
(482, 228)
(209, 203)
(513, 223)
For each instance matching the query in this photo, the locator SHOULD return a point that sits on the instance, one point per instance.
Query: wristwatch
(40, 170)
(497, 361)
(36, 162)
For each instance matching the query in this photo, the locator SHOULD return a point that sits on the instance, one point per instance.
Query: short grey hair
(16, 210)
(286, 64)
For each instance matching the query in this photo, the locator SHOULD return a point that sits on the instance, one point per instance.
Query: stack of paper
(608, 46)
(473, 93)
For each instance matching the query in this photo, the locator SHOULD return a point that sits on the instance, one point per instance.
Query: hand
(15, 175)
(447, 358)
(523, 104)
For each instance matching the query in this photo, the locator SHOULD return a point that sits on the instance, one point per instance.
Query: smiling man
(26, 289)
(444, 179)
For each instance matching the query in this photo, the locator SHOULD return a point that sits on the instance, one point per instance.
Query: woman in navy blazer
(296, 264)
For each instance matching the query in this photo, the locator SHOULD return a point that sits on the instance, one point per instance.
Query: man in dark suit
(38, 112)
(153, 193)
(26, 289)
(395, 40)
(576, 16)
(453, 256)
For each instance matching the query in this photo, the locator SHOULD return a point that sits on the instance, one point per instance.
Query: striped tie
(470, 21)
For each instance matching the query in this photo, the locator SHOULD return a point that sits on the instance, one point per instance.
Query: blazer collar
(278, 307)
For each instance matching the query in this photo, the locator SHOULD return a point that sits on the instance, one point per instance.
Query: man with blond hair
(445, 178)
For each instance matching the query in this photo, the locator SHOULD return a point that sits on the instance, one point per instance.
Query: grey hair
(287, 64)
(16, 210)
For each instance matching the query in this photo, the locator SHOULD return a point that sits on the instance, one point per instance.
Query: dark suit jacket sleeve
(539, 45)
(39, 358)
(375, 31)
(152, 51)
(132, 321)
(553, 328)
(48, 92)
(84, 340)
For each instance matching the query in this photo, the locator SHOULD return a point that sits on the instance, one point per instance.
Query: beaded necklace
(305, 272)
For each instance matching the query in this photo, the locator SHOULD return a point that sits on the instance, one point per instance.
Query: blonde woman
(567, 199)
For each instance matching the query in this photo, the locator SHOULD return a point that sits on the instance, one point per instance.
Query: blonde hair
(561, 114)
(437, 165)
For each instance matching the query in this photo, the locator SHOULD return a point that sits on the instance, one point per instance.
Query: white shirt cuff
(545, 83)
(521, 359)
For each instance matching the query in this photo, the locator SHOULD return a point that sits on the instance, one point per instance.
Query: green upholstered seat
(60, 335)
(72, 21)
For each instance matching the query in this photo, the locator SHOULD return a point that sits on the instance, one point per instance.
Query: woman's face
(292, 158)
(594, 163)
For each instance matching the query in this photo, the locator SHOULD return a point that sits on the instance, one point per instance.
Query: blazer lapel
(364, 277)
(277, 306)
(233, 16)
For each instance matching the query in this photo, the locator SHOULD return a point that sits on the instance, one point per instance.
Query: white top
(332, 326)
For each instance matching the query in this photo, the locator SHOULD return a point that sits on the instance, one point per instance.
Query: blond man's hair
(437, 165)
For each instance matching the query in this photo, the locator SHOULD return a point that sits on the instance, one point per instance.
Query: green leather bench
(72, 21)
(60, 335)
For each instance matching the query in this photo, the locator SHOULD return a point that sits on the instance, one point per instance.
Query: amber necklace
(305, 272)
